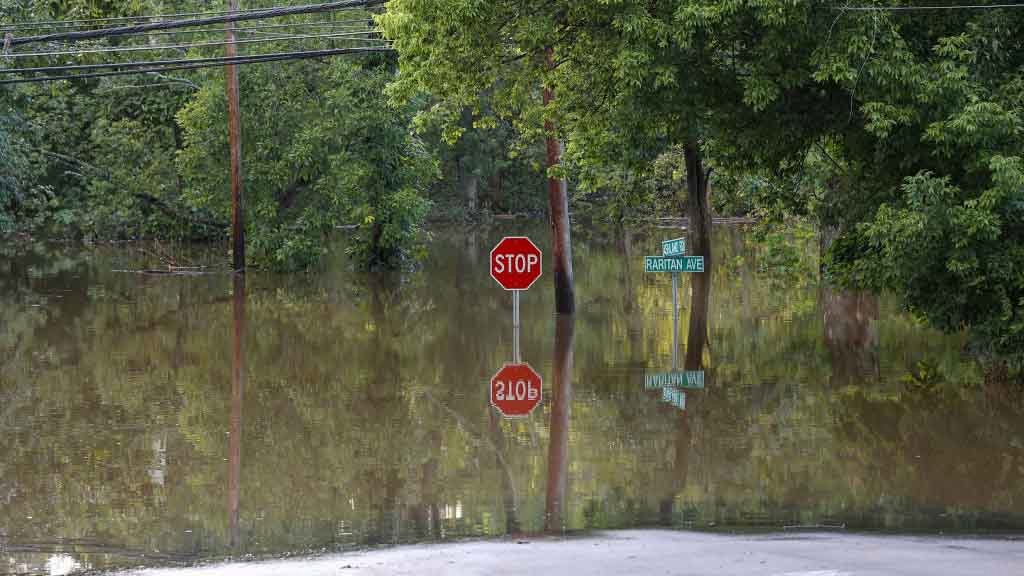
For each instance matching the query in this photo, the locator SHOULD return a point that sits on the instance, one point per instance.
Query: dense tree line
(898, 133)
(145, 156)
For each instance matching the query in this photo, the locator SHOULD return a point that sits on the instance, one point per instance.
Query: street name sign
(675, 247)
(692, 379)
(515, 263)
(516, 389)
(673, 264)
(674, 396)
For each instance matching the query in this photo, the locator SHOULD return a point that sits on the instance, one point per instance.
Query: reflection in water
(697, 331)
(237, 388)
(509, 499)
(561, 406)
(851, 335)
(366, 417)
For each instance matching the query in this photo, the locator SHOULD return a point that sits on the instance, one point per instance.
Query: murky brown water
(354, 409)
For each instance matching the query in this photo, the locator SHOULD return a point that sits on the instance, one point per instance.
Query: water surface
(156, 419)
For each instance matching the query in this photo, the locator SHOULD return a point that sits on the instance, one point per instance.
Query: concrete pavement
(661, 552)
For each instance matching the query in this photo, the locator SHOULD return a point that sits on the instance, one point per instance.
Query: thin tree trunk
(699, 232)
(469, 181)
(558, 207)
(558, 447)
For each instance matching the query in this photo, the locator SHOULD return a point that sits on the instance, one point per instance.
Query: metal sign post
(675, 319)
(674, 259)
(516, 357)
(516, 387)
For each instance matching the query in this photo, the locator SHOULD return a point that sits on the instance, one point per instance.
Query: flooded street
(161, 420)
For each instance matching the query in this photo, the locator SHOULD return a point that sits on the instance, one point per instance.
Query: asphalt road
(660, 552)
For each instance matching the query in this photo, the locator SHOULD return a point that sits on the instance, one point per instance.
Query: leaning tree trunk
(558, 207)
(698, 212)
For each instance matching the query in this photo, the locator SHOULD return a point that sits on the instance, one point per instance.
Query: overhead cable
(301, 23)
(358, 24)
(921, 8)
(171, 24)
(354, 36)
(103, 21)
(136, 64)
(208, 64)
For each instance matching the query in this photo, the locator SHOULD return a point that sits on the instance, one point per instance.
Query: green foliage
(12, 165)
(489, 164)
(110, 160)
(940, 180)
(321, 148)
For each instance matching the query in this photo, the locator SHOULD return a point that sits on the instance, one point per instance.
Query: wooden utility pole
(235, 145)
(558, 206)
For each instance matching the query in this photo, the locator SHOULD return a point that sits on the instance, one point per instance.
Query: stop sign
(515, 263)
(515, 389)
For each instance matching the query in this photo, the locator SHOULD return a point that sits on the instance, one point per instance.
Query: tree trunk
(558, 208)
(699, 239)
(495, 196)
(471, 184)
(469, 181)
(558, 446)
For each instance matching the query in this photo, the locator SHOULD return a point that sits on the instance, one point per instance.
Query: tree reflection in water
(366, 417)
(561, 406)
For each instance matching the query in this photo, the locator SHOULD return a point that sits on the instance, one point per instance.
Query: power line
(346, 25)
(219, 62)
(921, 8)
(170, 24)
(301, 23)
(99, 21)
(156, 47)
(137, 64)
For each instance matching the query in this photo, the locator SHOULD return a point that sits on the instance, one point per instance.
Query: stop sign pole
(515, 265)
(515, 327)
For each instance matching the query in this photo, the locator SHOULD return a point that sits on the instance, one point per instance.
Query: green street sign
(676, 264)
(693, 379)
(674, 397)
(675, 247)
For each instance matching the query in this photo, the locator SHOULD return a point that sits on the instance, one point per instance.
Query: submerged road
(660, 552)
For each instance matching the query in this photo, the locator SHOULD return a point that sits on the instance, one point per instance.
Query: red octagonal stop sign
(515, 389)
(515, 263)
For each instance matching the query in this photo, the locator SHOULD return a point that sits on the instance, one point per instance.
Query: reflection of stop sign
(515, 263)
(515, 389)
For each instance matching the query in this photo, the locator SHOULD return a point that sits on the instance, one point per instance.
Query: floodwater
(157, 419)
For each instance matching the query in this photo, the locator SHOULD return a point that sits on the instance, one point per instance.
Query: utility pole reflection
(237, 388)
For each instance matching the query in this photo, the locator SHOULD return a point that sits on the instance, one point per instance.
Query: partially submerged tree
(628, 79)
